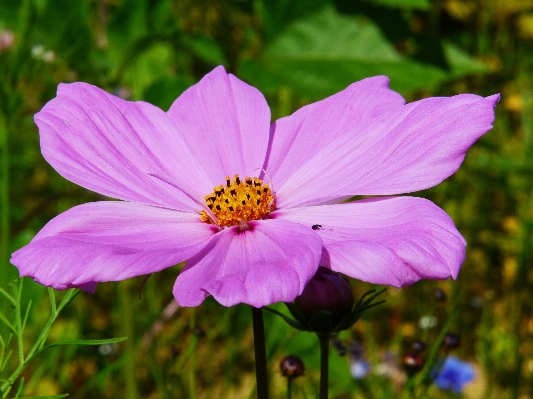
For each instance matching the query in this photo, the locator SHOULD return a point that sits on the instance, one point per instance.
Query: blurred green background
(295, 52)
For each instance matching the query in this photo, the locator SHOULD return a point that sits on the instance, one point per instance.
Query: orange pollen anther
(238, 202)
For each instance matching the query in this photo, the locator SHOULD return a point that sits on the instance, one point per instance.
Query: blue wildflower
(359, 369)
(454, 374)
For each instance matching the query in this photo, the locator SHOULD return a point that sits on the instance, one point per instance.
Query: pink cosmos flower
(253, 208)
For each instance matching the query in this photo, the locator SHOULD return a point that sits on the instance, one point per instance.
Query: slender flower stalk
(128, 329)
(192, 359)
(324, 365)
(291, 367)
(261, 371)
(5, 272)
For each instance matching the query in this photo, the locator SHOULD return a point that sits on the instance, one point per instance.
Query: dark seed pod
(418, 346)
(412, 363)
(440, 295)
(292, 367)
(452, 340)
(199, 332)
(175, 351)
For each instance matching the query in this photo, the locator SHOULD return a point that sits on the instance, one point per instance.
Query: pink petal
(407, 149)
(225, 123)
(269, 263)
(300, 136)
(110, 146)
(393, 241)
(109, 241)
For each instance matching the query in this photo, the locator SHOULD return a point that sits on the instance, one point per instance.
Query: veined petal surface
(111, 146)
(110, 241)
(271, 262)
(410, 148)
(299, 137)
(225, 123)
(392, 241)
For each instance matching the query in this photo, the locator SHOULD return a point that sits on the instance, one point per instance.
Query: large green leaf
(326, 51)
(165, 90)
(206, 49)
(277, 14)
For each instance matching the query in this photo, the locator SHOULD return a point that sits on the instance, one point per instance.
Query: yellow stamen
(237, 202)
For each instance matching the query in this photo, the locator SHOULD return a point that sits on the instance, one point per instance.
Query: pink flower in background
(253, 208)
(7, 40)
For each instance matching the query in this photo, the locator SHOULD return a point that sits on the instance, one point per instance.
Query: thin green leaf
(19, 389)
(7, 323)
(71, 294)
(85, 342)
(52, 296)
(39, 343)
(18, 320)
(26, 316)
(64, 395)
(405, 4)
(9, 297)
(5, 359)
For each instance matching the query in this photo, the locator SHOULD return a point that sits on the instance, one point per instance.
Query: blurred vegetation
(295, 52)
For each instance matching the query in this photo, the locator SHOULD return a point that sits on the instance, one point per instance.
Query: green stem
(126, 321)
(324, 365)
(39, 343)
(289, 388)
(192, 364)
(4, 211)
(260, 353)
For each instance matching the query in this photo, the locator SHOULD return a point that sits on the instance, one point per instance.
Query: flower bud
(292, 367)
(413, 363)
(452, 340)
(418, 346)
(326, 291)
(440, 295)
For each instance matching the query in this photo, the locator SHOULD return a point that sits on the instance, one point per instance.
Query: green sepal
(351, 318)
(291, 322)
(298, 315)
(320, 322)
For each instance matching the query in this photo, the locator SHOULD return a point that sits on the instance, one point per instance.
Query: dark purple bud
(199, 332)
(292, 367)
(356, 349)
(175, 351)
(452, 340)
(413, 363)
(440, 295)
(326, 291)
(418, 346)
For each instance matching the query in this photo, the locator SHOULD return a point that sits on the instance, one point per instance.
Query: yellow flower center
(238, 202)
